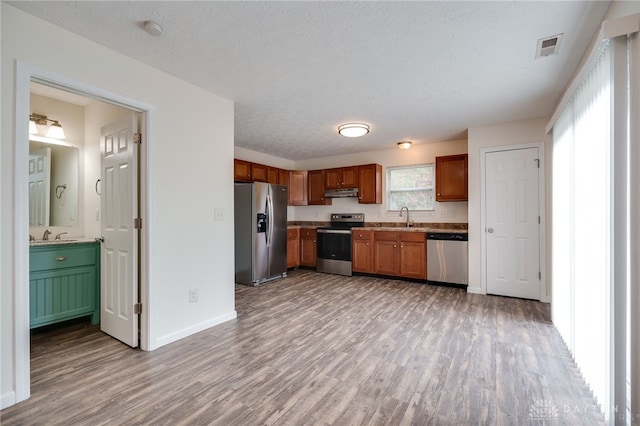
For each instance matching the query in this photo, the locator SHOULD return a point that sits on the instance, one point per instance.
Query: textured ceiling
(423, 71)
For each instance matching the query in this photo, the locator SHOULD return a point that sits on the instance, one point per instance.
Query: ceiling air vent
(548, 45)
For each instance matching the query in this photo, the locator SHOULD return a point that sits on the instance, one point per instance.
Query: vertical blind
(582, 224)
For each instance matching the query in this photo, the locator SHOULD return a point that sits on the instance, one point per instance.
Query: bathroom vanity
(64, 281)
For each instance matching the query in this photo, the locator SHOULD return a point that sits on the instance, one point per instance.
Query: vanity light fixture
(353, 130)
(55, 130)
(33, 129)
(404, 145)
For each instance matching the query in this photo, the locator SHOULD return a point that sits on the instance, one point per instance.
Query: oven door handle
(334, 231)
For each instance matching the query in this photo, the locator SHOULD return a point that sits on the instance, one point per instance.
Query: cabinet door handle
(61, 258)
(395, 246)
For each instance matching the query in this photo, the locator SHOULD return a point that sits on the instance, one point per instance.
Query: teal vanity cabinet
(64, 283)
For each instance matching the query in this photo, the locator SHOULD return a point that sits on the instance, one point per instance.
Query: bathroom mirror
(53, 184)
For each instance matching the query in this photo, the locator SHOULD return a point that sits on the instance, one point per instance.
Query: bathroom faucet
(46, 234)
(58, 235)
(405, 208)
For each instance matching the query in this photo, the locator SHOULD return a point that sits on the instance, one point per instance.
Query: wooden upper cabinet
(283, 177)
(273, 175)
(370, 184)
(297, 188)
(316, 188)
(343, 177)
(241, 171)
(258, 172)
(452, 178)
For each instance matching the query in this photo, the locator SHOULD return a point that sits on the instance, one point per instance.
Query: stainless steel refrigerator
(260, 232)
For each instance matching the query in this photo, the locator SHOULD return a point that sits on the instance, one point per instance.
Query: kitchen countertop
(394, 228)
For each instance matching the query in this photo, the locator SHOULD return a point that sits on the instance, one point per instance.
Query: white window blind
(582, 202)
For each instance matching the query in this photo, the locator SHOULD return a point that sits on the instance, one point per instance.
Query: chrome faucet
(46, 234)
(405, 208)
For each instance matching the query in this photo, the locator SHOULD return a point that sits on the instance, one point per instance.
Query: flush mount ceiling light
(404, 145)
(353, 130)
(55, 130)
(153, 28)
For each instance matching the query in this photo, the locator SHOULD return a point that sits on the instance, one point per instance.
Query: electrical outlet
(97, 215)
(193, 295)
(218, 213)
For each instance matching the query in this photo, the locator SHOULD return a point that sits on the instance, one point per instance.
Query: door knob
(490, 230)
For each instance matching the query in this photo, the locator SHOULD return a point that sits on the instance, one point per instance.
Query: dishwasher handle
(448, 236)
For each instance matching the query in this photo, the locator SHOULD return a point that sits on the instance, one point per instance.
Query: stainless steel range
(334, 243)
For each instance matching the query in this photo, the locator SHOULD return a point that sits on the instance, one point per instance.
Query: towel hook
(60, 190)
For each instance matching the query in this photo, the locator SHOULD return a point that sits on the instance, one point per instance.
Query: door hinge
(137, 223)
(137, 138)
(539, 275)
(137, 309)
(538, 220)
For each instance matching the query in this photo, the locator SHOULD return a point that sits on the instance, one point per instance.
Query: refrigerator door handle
(269, 211)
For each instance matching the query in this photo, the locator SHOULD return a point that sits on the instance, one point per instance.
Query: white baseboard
(196, 328)
(7, 400)
(475, 290)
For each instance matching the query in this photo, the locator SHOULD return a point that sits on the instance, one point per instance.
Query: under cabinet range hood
(341, 193)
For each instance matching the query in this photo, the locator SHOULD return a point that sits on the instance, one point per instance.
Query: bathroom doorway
(27, 76)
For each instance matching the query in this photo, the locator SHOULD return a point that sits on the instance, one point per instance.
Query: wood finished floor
(317, 349)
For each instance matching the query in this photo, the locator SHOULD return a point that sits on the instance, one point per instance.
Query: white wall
(516, 133)
(456, 212)
(190, 174)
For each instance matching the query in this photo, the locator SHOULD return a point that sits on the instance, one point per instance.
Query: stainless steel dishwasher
(447, 258)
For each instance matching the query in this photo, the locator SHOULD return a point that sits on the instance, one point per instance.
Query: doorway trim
(542, 191)
(25, 73)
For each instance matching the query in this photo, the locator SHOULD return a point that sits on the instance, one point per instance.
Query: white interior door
(512, 223)
(119, 207)
(39, 187)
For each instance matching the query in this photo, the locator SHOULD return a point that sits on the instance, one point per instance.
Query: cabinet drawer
(293, 234)
(413, 236)
(308, 233)
(56, 257)
(385, 236)
(361, 235)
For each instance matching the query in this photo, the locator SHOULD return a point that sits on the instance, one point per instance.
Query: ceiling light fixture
(153, 28)
(353, 130)
(404, 145)
(55, 130)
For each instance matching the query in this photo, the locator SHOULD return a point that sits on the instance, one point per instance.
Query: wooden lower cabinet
(362, 251)
(402, 254)
(385, 249)
(293, 248)
(308, 252)
(413, 255)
